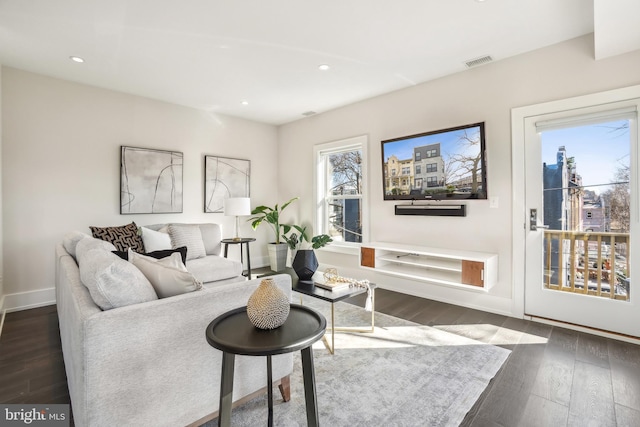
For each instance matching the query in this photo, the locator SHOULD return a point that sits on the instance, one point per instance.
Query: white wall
(61, 168)
(486, 93)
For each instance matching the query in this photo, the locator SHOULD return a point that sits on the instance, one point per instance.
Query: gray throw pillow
(188, 235)
(85, 245)
(70, 241)
(112, 281)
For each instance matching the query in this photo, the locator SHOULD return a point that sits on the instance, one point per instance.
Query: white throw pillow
(190, 236)
(155, 240)
(168, 276)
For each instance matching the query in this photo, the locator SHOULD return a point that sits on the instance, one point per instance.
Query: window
(406, 170)
(432, 181)
(431, 153)
(418, 170)
(432, 167)
(417, 156)
(340, 195)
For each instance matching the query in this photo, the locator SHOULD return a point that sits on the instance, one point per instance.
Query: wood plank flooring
(553, 377)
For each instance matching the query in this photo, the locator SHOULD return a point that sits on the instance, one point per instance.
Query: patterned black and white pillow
(122, 237)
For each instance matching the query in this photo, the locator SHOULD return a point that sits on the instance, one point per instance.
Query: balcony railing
(587, 263)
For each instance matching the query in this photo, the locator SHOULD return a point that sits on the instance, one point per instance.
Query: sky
(449, 144)
(598, 150)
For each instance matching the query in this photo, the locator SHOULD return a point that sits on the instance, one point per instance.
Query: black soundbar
(431, 210)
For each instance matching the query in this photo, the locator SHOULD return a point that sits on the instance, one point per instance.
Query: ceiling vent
(479, 61)
(308, 113)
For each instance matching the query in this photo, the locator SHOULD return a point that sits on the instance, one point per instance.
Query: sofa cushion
(168, 275)
(155, 240)
(122, 237)
(158, 254)
(188, 235)
(113, 282)
(212, 268)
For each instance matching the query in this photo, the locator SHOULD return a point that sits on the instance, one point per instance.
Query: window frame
(321, 224)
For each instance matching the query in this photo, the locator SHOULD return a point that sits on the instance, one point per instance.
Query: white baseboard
(30, 299)
(585, 329)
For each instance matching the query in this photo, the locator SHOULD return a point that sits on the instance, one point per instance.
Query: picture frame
(224, 177)
(151, 181)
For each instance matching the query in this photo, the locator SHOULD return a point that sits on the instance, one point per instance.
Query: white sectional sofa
(148, 363)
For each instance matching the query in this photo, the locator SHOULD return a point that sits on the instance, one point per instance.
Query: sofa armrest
(154, 358)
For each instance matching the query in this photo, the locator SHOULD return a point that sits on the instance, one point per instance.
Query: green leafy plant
(295, 240)
(320, 241)
(271, 216)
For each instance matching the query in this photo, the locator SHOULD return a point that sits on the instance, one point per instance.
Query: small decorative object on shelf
(330, 274)
(333, 282)
(268, 307)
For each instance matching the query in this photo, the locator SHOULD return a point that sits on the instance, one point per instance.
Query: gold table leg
(331, 347)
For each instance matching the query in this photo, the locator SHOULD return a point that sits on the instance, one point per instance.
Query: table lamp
(237, 206)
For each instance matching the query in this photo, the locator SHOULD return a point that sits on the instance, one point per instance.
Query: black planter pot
(305, 263)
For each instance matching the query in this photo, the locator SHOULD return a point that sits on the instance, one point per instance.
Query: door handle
(533, 221)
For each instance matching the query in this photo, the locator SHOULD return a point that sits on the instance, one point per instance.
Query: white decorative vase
(291, 254)
(277, 256)
(268, 307)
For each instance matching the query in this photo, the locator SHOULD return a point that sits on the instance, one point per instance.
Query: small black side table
(241, 241)
(233, 333)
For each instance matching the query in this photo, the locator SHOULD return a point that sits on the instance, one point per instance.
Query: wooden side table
(233, 333)
(242, 241)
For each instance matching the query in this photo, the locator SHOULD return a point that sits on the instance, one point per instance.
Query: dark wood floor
(31, 365)
(553, 377)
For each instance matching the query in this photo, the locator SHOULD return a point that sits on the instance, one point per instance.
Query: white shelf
(469, 270)
(421, 261)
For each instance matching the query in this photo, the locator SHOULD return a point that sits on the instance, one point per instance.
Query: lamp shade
(237, 206)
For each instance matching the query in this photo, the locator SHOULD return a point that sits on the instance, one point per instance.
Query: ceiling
(215, 55)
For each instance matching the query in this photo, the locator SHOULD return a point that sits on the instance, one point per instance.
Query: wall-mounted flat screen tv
(437, 165)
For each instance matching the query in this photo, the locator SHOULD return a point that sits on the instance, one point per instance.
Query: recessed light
(323, 67)
(245, 102)
(76, 59)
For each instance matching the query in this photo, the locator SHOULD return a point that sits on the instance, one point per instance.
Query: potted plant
(294, 240)
(271, 215)
(305, 262)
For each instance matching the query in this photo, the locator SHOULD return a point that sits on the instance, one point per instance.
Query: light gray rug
(403, 374)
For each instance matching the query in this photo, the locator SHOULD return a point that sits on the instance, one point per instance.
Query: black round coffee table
(233, 333)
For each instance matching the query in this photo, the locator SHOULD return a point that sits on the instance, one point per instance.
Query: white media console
(465, 269)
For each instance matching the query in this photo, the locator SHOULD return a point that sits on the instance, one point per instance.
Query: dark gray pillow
(158, 254)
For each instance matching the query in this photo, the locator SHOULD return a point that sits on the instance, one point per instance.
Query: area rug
(403, 374)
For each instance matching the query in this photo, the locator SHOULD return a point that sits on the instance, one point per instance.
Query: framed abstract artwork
(224, 177)
(150, 181)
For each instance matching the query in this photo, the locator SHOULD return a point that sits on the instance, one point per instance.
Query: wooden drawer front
(472, 273)
(368, 257)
